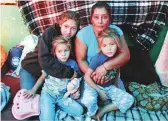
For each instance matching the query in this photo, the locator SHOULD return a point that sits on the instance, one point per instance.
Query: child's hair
(109, 33)
(70, 15)
(60, 40)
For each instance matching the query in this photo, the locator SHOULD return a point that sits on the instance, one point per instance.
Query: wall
(12, 27)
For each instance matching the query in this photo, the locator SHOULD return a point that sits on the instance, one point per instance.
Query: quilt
(143, 18)
(134, 114)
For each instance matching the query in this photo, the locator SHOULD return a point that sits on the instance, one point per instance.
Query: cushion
(12, 82)
(14, 57)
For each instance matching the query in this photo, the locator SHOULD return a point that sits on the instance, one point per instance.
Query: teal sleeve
(84, 34)
(81, 35)
(116, 29)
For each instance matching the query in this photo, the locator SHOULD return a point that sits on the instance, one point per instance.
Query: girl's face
(100, 19)
(108, 47)
(62, 52)
(68, 28)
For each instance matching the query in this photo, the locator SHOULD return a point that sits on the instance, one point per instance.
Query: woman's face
(108, 47)
(69, 28)
(100, 19)
(62, 52)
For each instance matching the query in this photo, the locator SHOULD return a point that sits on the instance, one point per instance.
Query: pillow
(14, 57)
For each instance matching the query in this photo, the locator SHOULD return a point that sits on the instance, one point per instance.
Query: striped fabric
(143, 18)
(39, 15)
(134, 114)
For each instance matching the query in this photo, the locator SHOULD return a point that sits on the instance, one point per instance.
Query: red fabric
(13, 83)
(38, 15)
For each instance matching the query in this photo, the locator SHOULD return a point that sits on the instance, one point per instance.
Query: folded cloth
(5, 95)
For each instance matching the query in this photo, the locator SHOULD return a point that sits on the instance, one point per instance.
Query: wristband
(104, 67)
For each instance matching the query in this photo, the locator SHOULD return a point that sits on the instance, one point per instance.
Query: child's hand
(103, 95)
(76, 95)
(29, 94)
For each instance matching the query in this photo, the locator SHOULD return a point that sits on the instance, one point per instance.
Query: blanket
(134, 114)
(144, 18)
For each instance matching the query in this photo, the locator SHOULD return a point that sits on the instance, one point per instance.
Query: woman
(86, 46)
(42, 58)
(109, 45)
(86, 43)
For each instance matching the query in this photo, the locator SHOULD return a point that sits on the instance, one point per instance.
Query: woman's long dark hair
(101, 4)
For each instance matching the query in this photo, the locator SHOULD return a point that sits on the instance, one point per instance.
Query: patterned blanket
(143, 18)
(134, 114)
(138, 112)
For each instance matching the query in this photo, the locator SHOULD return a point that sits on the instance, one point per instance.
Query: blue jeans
(49, 103)
(27, 81)
(89, 97)
(121, 98)
(119, 84)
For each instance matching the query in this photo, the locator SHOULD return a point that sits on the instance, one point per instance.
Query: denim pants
(27, 81)
(50, 102)
(122, 99)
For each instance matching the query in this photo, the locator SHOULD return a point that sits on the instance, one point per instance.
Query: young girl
(42, 59)
(54, 88)
(109, 44)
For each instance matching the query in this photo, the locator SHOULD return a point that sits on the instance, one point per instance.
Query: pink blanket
(161, 64)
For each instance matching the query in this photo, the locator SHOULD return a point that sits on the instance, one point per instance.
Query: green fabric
(155, 50)
(153, 97)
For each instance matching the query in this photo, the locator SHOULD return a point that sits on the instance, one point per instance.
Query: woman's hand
(103, 95)
(99, 74)
(29, 94)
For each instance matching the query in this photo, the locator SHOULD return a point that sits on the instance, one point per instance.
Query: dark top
(42, 59)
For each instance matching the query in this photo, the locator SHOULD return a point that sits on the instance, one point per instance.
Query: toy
(72, 87)
(23, 108)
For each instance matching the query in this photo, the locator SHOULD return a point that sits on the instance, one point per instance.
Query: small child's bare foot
(94, 117)
(98, 118)
(100, 114)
